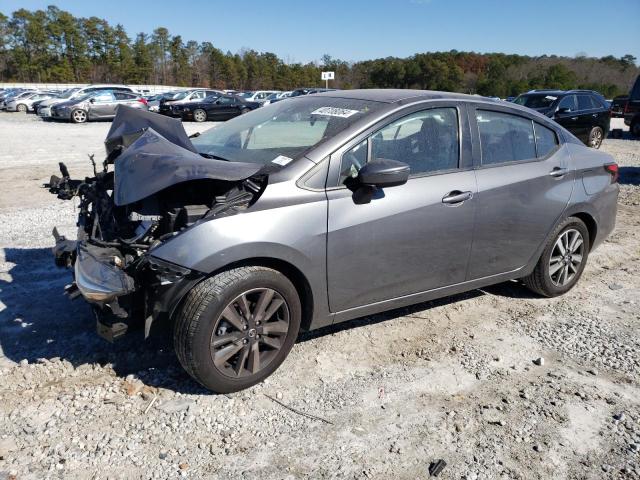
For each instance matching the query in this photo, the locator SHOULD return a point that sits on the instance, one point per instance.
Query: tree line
(53, 46)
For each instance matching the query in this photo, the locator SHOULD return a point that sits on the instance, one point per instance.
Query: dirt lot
(453, 379)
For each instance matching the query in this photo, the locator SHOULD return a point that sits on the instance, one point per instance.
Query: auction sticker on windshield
(281, 160)
(334, 112)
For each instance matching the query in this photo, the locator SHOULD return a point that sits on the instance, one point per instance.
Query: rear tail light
(612, 169)
(143, 100)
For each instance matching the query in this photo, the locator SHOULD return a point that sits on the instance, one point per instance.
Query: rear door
(588, 115)
(524, 185)
(567, 116)
(103, 105)
(408, 238)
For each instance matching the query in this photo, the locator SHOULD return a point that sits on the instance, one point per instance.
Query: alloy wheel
(79, 116)
(250, 332)
(595, 139)
(22, 108)
(566, 257)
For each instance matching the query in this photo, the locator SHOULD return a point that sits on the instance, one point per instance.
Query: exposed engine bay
(151, 186)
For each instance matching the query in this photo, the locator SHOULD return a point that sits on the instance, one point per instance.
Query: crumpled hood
(153, 162)
(130, 123)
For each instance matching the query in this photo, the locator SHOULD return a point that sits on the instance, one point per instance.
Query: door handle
(456, 197)
(574, 118)
(559, 172)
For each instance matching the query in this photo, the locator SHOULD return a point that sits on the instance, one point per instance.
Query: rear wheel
(562, 261)
(635, 128)
(199, 115)
(78, 116)
(21, 108)
(234, 329)
(595, 137)
(244, 110)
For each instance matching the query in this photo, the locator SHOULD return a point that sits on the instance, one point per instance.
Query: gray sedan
(99, 105)
(324, 208)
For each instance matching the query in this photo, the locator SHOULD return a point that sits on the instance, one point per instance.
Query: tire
(199, 115)
(596, 135)
(203, 321)
(635, 128)
(22, 108)
(544, 279)
(244, 110)
(78, 116)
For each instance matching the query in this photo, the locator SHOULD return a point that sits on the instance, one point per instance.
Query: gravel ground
(457, 379)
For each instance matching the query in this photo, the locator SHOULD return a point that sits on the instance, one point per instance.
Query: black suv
(632, 109)
(584, 113)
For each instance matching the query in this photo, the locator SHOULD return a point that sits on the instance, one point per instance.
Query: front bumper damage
(123, 300)
(159, 186)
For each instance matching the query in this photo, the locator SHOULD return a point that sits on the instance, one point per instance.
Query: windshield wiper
(214, 157)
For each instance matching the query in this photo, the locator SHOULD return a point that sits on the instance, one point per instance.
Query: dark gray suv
(325, 208)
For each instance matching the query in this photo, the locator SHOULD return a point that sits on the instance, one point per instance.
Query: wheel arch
(293, 273)
(591, 224)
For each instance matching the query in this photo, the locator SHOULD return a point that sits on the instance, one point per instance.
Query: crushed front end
(150, 188)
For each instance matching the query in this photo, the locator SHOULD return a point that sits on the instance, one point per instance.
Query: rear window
(505, 137)
(546, 140)
(536, 100)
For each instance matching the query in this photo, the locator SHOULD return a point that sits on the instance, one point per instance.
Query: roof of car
(392, 95)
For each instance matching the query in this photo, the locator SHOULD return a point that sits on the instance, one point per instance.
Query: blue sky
(363, 29)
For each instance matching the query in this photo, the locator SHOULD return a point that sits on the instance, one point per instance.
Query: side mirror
(383, 173)
(218, 102)
(563, 110)
(92, 100)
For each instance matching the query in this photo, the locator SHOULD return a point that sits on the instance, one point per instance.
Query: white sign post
(326, 76)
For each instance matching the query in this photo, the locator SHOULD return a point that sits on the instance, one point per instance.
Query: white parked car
(277, 96)
(259, 96)
(24, 103)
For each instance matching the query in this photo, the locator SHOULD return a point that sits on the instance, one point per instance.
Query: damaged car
(321, 209)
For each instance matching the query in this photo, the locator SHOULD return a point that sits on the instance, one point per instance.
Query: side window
(505, 137)
(584, 102)
(353, 161)
(427, 141)
(595, 102)
(104, 97)
(546, 140)
(225, 101)
(123, 96)
(569, 102)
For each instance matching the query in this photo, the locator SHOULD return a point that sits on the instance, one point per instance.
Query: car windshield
(282, 131)
(540, 100)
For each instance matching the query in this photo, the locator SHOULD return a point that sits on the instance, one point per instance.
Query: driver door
(409, 238)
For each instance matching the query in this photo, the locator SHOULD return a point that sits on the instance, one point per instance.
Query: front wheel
(595, 137)
(233, 330)
(78, 116)
(22, 108)
(199, 115)
(562, 261)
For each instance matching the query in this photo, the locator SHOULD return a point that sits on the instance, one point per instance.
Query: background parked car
(215, 107)
(25, 102)
(44, 108)
(632, 110)
(274, 97)
(259, 96)
(100, 105)
(13, 94)
(184, 96)
(584, 113)
(618, 104)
